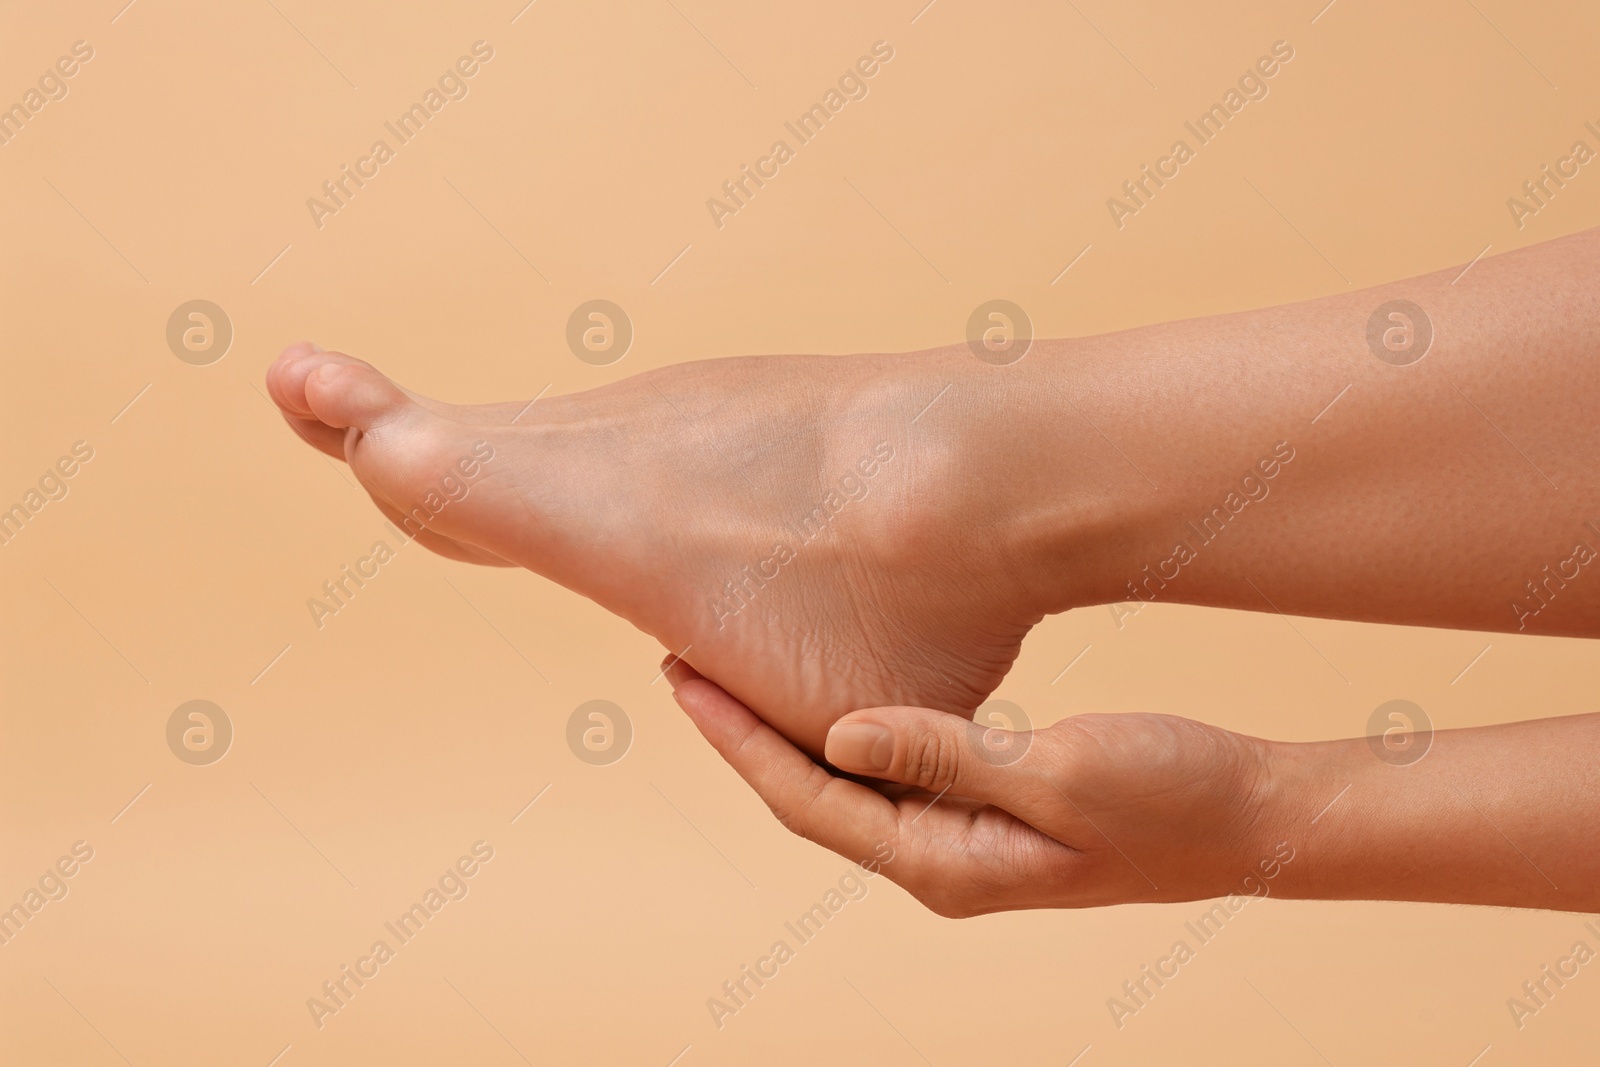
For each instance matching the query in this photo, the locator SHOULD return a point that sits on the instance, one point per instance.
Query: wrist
(1466, 819)
(1336, 803)
(1265, 839)
(1295, 794)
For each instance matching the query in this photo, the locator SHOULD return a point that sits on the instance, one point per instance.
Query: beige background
(374, 752)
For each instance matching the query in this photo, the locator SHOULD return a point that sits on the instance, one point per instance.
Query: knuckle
(795, 813)
(932, 759)
(935, 885)
(1075, 745)
(790, 822)
(791, 819)
(946, 905)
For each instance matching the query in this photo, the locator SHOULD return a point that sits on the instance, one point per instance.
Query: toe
(285, 385)
(288, 374)
(346, 394)
(408, 452)
(288, 379)
(324, 439)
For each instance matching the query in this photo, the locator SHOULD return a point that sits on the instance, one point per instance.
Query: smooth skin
(1115, 809)
(827, 534)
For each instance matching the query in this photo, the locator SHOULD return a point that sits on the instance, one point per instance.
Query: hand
(1094, 810)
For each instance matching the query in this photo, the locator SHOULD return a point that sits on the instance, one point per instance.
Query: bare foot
(784, 518)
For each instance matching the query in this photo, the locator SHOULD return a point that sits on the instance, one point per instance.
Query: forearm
(1506, 815)
(1458, 490)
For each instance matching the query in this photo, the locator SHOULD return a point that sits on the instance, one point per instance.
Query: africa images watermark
(51, 486)
(1140, 991)
(738, 592)
(1537, 192)
(738, 991)
(51, 87)
(1537, 993)
(340, 590)
(1543, 587)
(1252, 85)
(337, 992)
(1253, 488)
(852, 85)
(337, 192)
(52, 885)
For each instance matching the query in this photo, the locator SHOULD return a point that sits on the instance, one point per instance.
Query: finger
(840, 815)
(931, 750)
(677, 670)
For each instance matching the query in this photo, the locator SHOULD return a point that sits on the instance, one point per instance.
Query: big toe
(286, 377)
(346, 392)
(289, 379)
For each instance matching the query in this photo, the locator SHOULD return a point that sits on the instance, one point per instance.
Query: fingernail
(859, 746)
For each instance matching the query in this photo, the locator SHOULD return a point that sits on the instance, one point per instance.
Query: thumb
(932, 750)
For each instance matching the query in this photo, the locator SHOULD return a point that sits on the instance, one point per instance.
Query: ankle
(1081, 507)
(1006, 469)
